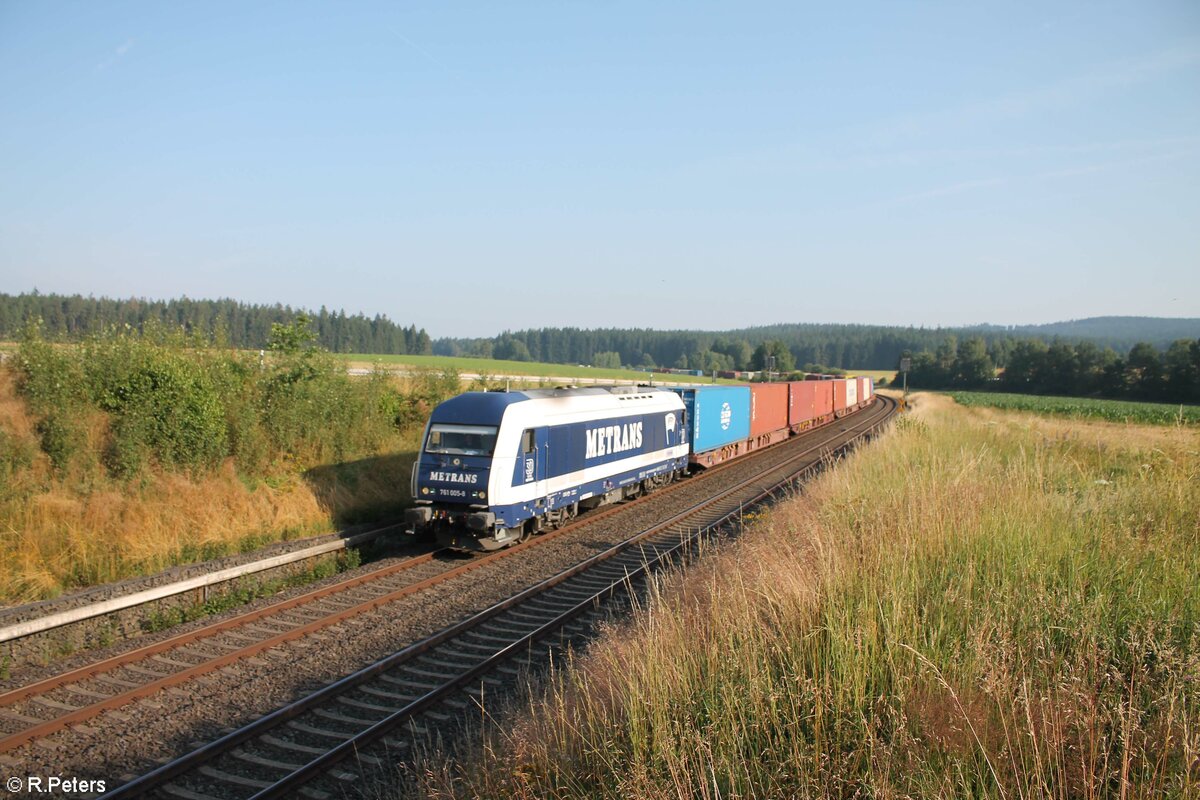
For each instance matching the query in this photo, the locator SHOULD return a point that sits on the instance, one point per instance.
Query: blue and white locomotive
(496, 467)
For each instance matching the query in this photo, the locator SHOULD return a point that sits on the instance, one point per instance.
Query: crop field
(979, 604)
(1085, 408)
(874, 374)
(534, 369)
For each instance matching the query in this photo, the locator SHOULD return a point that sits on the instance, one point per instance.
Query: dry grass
(980, 604)
(59, 532)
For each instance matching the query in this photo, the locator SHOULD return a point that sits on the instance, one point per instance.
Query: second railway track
(433, 681)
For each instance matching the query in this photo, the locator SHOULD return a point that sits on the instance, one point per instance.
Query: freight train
(497, 467)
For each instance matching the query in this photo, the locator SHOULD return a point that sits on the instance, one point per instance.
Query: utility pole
(905, 365)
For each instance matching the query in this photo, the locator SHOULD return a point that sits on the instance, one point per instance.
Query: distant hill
(1119, 333)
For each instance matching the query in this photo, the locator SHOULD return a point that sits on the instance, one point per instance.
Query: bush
(181, 403)
(163, 401)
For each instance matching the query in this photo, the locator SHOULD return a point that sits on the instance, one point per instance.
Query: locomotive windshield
(462, 440)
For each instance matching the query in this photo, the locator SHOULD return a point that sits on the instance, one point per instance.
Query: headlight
(481, 495)
(424, 490)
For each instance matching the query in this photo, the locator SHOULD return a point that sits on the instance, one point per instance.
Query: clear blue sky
(472, 167)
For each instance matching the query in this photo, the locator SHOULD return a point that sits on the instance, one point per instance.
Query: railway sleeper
(345, 776)
(507, 626)
(363, 704)
(500, 641)
(447, 660)
(267, 628)
(290, 746)
(75, 688)
(598, 579)
(111, 681)
(424, 675)
(8, 713)
(404, 697)
(443, 717)
(183, 793)
(143, 671)
(532, 618)
(313, 793)
(241, 754)
(592, 590)
(43, 700)
(392, 743)
(480, 687)
(323, 732)
(170, 662)
(232, 778)
(476, 649)
(579, 593)
(343, 719)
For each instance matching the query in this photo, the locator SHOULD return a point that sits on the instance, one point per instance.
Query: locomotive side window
(527, 444)
(462, 440)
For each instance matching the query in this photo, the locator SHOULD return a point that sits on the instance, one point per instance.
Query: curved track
(433, 681)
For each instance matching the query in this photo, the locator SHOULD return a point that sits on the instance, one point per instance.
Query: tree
(509, 348)
(1182, 375)
(293, 338)
(607, 359)
(973, 365)
(1144, 370)
(784, 361)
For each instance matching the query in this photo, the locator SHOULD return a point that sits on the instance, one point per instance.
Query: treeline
(1060, 368)
(835, 346)
(240, 325)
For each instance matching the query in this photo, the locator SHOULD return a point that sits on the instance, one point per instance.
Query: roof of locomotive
(487, 408)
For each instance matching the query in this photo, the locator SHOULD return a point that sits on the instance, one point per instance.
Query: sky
(476, 167)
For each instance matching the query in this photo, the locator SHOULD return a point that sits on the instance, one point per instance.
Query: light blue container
(716, 415)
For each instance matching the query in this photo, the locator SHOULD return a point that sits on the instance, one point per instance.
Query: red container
(865, 389)
(768, 407)
(801, 402)
(839, 395)
(823, 402)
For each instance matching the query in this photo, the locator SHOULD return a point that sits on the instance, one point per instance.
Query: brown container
(839, 395)
(768, 407)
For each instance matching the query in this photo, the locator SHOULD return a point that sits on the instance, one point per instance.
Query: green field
(1085, 408)
(489, 366)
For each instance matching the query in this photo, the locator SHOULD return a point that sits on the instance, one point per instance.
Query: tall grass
(977, 605)
(133, 452)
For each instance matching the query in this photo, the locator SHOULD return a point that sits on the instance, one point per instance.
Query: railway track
(51, 705)
(303, 747)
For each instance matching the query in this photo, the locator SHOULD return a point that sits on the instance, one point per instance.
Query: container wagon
(718, 422)
(768, 414)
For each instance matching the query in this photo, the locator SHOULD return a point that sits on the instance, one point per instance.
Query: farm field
(488, 366)
(981, 603)
(1085, 408)
(874, 374)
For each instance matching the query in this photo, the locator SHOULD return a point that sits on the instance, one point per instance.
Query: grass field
(873, 373)
(1085, 408)
(980, 604)
(488, 366)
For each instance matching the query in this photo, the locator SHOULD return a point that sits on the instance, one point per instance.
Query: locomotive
(497, 467)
